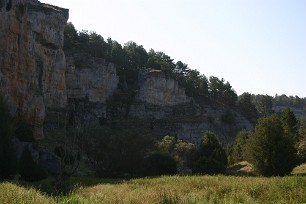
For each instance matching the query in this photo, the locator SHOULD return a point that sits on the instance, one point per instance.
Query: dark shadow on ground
(49, 186)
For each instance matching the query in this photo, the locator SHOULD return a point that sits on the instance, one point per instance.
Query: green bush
(28, 169)
(160, 163)
(208, 165)
(212, 156)
(270, 149)
(116, 152)
(235, 150)
(183, 152)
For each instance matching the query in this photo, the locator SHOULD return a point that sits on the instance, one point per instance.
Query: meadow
(165, 189)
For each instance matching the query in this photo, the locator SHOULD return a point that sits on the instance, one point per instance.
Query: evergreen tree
(290, 124)
(302, 142)
(247, 108)
(212, 156)
(270, 150)
(236, 150)
(160, 163)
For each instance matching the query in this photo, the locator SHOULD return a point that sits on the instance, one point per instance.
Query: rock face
(158, 90)
(190, 121)
(169, 111)
(45, 87)
(32, 62)
(91, 78)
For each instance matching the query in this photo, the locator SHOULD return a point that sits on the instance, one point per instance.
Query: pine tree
(270, 150)
(212, 156)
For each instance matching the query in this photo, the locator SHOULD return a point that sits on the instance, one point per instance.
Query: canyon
(47, 87)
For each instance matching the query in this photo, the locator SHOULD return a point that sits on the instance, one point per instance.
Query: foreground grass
(12, 193)
(175, 189)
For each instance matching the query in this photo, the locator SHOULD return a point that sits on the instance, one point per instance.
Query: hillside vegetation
(131, 59)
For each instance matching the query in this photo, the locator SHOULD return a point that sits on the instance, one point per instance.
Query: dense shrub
(160, 163)
(183, 152)
(247, 108)
(302, 150)
(270, 149)
(302, 143)
(212, 156)
(28, 169)
(208, 165)
(235, 150)
(116, 152)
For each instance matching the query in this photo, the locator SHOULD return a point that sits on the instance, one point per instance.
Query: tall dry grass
(175, 189)
(199, 189)
(12, 193)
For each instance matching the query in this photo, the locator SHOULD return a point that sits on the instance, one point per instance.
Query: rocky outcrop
(212, 120)
(156, 89)
(90, 82)
(91, 78)
(32, 62)
(185, 126)
(169, 111)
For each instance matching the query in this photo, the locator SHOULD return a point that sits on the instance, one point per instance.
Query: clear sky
(259, 46)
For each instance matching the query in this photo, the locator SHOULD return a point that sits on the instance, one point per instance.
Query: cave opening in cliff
(9, 5)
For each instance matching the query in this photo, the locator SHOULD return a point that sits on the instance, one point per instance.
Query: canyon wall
(156, 89)
(92, 78)
(50, 90)
(32, 61)
(169, 111)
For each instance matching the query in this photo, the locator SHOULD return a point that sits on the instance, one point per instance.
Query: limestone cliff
(90, 82)
(168, 110)
(32, 62)
(156, 89)
(90, 77)
(45, 87)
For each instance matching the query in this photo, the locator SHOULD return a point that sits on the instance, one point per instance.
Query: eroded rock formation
(32, 62)
(44, 87)
(169, 111)
(158, 90)
(91, 78)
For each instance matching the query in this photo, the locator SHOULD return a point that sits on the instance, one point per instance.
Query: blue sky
(259, 46)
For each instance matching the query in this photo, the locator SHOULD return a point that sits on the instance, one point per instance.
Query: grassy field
(175, 189)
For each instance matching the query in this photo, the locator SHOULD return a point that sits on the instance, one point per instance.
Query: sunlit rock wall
(32, 62)
(91, 78)
(159, 90)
